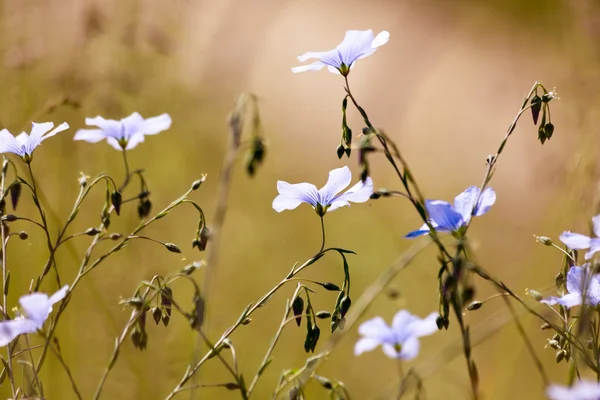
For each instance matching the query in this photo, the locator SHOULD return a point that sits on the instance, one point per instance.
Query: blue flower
(579, 278)
(581, 390)
(324, 199)
(356, 45)
(447, 218)
(24, 144)
(401, 340)
(36, 309)
(126, 133)
(577, 241)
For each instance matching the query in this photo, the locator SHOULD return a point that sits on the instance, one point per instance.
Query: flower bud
(323, 314)
(330, 286)
(560, 355)
(536, 295)
(92, 231)
(116, 199)
(545, 326)
(549, 130)
(297, 308)
(15, 194)
(536, 107)
(23, 235)
(340, 151)
(144, 207)
(156, 314)
(246, 321)
(476, 305)
(546, 241)
(10, 218)
(115, 236)
(172, 248)
(345, 306)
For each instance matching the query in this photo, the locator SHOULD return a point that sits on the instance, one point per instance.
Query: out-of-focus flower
(447, 218)
(36, 308)
(581, 390)
(577, 241)
(401, 340)
(579, 280)
(126, 133)
(356, 45)
(324, 199)
(24, 144)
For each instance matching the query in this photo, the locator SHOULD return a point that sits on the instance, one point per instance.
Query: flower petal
(134, 140)
(410, 348)
(594, 247)
(596, 223)
(576, 277)
(8, 144)
(423, 230)
(358, 193)
(132, 124)
(582, 390)
(444, 215)
(486, 201)
(114, 143)
(375, 328)
(10, 329)
(154, 125)
(575, 241)
(356, 44)
(568, 300)
(317, 65)
(90, 135)
(381, 39)
(36, 307)
(291, 196)
(111, 127)
(58, 296)
(423, 327)
(464, 203)
(365, 344)
(339, 179)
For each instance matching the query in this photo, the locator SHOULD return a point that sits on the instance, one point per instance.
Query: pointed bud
(536, 295)
(156, 314)
(297, 308)
(549, 130)
(546, 241)
(10, 218)
(204, 236)
(345, 306)
(172, 248)
(23, 235)
(323, 314)
(476, 305)
(330, 286)
(92, 231)
(536, 107)
(144, 207)
(15, 194)
(545, 326)
(116, 199)
(340, 151)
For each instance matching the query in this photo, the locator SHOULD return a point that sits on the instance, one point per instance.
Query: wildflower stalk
(266, 359)
(85, 266)
(250, 309)
(9, 348)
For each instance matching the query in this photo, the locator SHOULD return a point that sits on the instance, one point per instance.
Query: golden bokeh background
(445, 88)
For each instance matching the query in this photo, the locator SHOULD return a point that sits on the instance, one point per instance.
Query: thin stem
(274, 340)
(323, 233)
(127, 174)
(51, 260)
(35, 374)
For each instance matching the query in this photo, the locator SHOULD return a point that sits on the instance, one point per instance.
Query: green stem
(323, 232)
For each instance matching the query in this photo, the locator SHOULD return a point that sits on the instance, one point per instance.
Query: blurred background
(445, 88)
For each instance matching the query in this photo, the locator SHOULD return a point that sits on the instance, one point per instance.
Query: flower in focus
(356, 45)
(579, 280)
(126, 133)
(24, 144)
(324, 199)
(577, 241)
(581, 390)
(36, 309)
(447, 218)
(401, 340)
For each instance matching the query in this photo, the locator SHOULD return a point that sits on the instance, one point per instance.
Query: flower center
(321, 210)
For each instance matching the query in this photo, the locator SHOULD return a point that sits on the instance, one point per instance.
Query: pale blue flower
(126, 133)
(24, 144)
(36, 308)
(401, 340)
(579, 278)
(356, 45)
(324, 199)
(581, 390)
(447, 218)
(577, 241)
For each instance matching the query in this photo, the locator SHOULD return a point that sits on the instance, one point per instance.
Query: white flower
(401, 340)
(126, 133)
(581, 390)
(24, 144)
(36, 309)
(324, 199)
(356, 45)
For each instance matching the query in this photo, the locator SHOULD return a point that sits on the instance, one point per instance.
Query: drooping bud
(297, 308)
(144, 207)
(546, 241)
(172, 248)
(116, 199)
(476, 305)
(15, 194)
(549, 130)
(536, 107)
